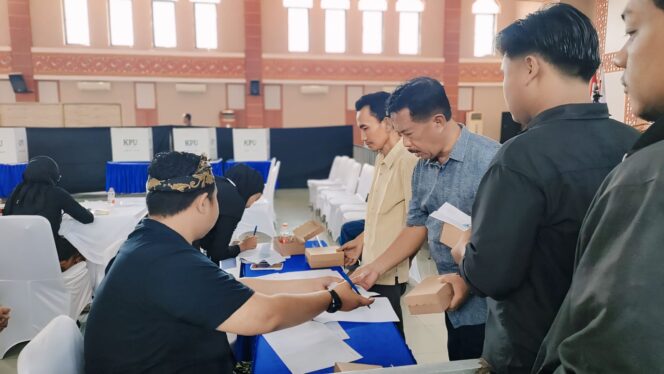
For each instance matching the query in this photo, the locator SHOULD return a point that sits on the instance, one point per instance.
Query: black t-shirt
(158, 308)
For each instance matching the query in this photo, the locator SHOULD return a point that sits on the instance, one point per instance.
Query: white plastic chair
(334, 199)
(348, 216)
(31, 283)
(261, 214)
(337, 217)
(336, 175)
(58, 348)
(349, 186)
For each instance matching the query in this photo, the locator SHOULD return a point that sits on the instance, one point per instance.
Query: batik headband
(201, 178)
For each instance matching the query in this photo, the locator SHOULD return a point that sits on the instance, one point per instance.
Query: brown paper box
(324, 257)
(301, 234)
(343, 367)
(430, 296)
(450, 235)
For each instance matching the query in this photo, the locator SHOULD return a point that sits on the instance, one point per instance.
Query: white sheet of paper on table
(231, 266)
(452, 215)
(381, 311)
(335, 327)
(310, 346)
(262, 253)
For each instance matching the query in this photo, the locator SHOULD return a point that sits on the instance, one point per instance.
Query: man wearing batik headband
(164, 307)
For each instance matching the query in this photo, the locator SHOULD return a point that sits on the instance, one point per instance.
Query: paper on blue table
(381, 311)
(310, 346)
(262, 253)
(336, 328)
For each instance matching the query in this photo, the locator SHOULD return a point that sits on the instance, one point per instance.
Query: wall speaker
(255, 88)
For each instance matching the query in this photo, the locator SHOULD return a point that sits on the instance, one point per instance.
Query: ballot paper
(337, 329)
(310, 346)
(313, 274)
(450, 214)
(380, 311)
(262, 253)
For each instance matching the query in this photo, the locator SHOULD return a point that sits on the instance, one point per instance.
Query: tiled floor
(425, 334)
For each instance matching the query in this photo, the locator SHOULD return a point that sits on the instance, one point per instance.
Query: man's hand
(250, 242)
(459, 249)
(460, 288)
(4, 317)
(352, 250)
(349, 299)
(366, 276)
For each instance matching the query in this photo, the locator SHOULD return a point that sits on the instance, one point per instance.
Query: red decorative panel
(119, 65)
(5, 62)
(349, 70)
(480, 73)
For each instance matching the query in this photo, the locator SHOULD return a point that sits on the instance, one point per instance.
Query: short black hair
(560, 34)
(423, 96)
(187, 116)
(659, 4)
(377, 103)
(168, 165)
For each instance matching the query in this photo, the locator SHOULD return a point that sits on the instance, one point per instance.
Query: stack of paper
(310, 346)
(450, 214)
(262, 253)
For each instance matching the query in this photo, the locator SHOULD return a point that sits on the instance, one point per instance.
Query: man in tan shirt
(389, 197)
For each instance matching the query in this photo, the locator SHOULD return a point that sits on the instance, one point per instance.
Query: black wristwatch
(335, 304)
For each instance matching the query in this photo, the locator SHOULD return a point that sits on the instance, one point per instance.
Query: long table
(378, 343)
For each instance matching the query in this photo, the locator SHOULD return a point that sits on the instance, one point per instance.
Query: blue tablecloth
(263, 167)
(10, 176)
(378, 343)
(130, 177)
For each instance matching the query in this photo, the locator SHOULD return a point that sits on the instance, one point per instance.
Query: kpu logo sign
(191, 143)
(130, 142)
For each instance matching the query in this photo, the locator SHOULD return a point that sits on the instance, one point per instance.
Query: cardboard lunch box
(344, 367)
(450, 235)
(324, 257)
(301, 234)
(430, 296)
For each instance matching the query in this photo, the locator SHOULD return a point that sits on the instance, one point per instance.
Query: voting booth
(251, 144)
(198, 141)
(13, 146)
(131, 144)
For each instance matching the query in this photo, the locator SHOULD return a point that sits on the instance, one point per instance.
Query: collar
(570, 112)
(166, 233)
(654, 134)
(458, 151)
(393, 154)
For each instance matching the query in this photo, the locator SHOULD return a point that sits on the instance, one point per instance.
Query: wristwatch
(335, 304)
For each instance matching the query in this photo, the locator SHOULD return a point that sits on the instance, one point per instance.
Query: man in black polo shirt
(532, 200)
(165, 308)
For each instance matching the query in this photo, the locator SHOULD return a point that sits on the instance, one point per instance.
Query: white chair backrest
(352, 177)
(337, 171)
(366, 178)
(56, 348)
(271, 184)
(31, 283)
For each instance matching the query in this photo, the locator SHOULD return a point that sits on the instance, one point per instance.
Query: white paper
(231, 266)
(380, 311)
(336, 328)
(262, 253)
(310, 346)
(448, 213)
(302, 275)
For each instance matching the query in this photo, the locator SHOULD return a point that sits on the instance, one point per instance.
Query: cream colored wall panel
(615, 95)
(272, 97)
(204, 107)
(615, 32)
(145, 96)
(353, 93)
(313, 110)
(236, 93)
(48, 92)
(6, 92)
(490, 102)
(31, 115)
(92, 115)
(122, 93)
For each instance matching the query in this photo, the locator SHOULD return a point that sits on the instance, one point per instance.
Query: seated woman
(38, 194)
(239, 189)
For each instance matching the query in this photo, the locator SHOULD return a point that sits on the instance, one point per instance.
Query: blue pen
(255, 228)
(352, 285)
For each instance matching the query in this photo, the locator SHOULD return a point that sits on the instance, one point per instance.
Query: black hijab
(29, 197)
(247, 180)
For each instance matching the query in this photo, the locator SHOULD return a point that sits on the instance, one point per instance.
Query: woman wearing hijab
(239, 189)
(38, 194)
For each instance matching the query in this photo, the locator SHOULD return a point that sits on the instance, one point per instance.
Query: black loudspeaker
(255, 88)
(508, 128)
(18, 83)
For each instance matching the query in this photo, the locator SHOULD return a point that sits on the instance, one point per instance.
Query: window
(76, 22)
(409, 26)
(485, 12)
(372, 25)
(163, 23)
(121, 22)
(205, 12)
(298, 24)
(335, 25)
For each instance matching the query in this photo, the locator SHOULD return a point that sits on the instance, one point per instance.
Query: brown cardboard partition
(324, 257)
(301, 234)
(430, 296)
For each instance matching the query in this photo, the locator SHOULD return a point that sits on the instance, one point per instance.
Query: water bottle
(110, 197)
(285, 236)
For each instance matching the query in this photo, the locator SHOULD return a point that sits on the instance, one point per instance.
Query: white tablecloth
(99, 241)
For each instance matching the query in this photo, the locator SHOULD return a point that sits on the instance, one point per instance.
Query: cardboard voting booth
(13, 145)
(131, 144)
(295, 244)
(196, 140)
(251, 144)
(324, 257)
(344, 367)
(430, 296)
